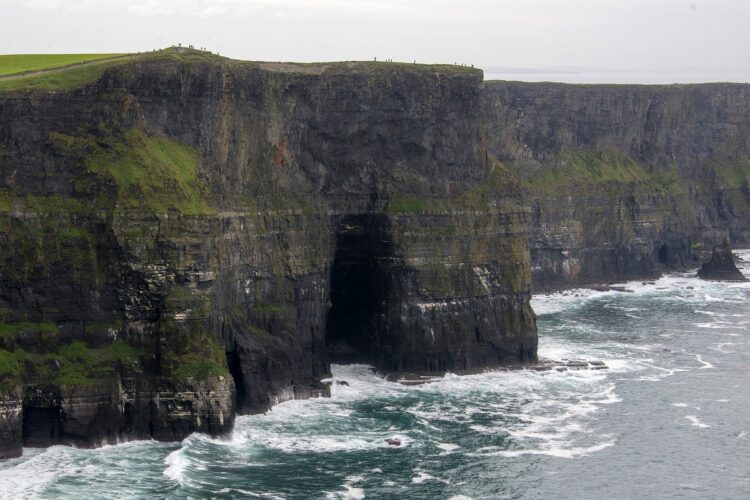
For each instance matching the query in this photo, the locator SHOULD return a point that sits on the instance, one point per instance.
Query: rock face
(624, 181)
(187, 236)
(721, 267)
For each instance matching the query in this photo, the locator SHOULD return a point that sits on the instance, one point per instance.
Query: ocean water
(603, 76)
(670, 418)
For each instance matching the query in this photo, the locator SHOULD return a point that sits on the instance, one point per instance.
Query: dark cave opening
(42, 426)
(235, 370)
(360, 285)
(663, 255)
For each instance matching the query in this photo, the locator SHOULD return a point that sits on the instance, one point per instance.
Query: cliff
(624, 181)
(185, 236)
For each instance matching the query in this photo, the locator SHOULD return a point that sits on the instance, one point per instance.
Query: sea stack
(721, 267)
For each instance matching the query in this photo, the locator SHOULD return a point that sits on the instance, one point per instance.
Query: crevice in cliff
(360, 287)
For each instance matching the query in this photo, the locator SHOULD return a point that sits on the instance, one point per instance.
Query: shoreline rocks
(721, 266)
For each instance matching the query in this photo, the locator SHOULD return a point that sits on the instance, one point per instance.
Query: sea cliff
(186, 236)
(624, 181)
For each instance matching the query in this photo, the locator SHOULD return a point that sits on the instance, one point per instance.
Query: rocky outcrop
(188, 235)
(721, 267)
(624, 181)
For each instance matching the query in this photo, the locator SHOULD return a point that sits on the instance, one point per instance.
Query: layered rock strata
(624, 181)
(185, 236)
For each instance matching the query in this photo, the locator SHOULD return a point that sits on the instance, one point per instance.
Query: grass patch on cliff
(13, 329)
(153, 174)
(268, 309)
(206, 360)
(258, 331)
(6, 201)
(75, 363)
(732, 174)
(581, 169)
(418, 205)
(18, 63)
(9, 366)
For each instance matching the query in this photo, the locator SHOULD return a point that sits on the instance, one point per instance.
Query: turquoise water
(670, 418)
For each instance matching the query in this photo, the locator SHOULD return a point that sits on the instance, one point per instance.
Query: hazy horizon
(603, 41)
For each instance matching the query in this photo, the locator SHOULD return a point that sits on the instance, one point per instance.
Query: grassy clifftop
(51, 72)
(14, 64)
(61, 72)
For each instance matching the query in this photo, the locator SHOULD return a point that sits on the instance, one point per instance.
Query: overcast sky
(615, 34)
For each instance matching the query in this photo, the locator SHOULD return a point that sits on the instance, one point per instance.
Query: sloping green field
(18, 63)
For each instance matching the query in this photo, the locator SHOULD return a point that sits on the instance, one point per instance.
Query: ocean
(669, 418)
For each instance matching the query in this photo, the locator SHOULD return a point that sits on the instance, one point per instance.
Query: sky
(609, 38)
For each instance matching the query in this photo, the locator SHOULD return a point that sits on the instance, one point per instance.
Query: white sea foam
(696, 422)
(28, 476)
(448, 447)
(251, 494)
(550, 449)
(705, 364)
(176, 463)
(422, 476)
(350, 492)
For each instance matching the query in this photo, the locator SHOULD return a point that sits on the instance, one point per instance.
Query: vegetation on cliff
(33, 354)
(580, 170)
(20, 63)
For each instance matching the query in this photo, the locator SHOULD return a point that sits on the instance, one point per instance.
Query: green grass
(153, 174)
(269, 309)
(79, 75)
(6, 201)
(124, 353)
(9, 365)
(62, 72)
(498, 182)
(380, 67)
(256, 330)
(581, 170)
(75, 363)
(18, 63)
(10, 330)
(199, 364)
(420, 205)
(407, 205)
(68, 79)
(732, 174)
